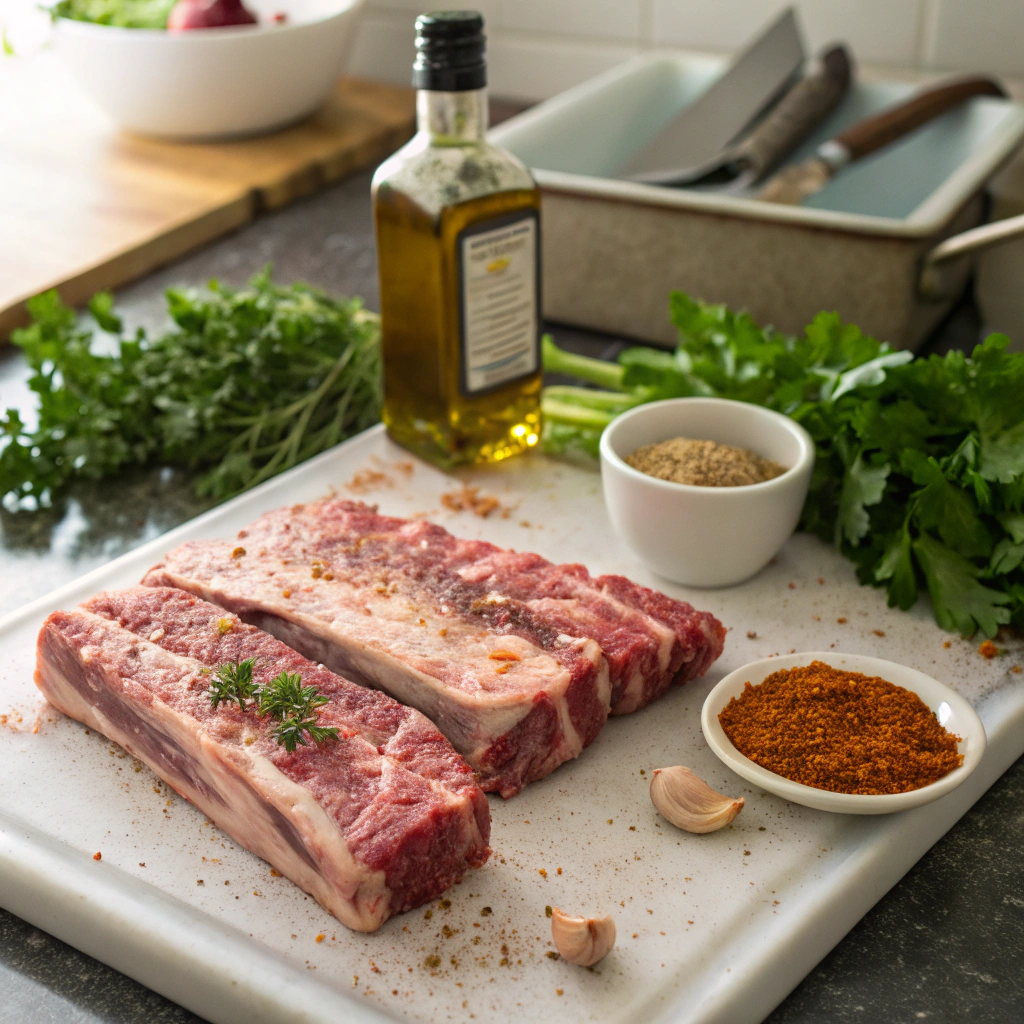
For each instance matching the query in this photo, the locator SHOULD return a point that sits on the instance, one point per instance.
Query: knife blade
(803, 107)
(791, 120)
(792, 185)
(697, 136)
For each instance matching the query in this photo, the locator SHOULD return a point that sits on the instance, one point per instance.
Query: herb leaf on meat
(284, 698)
(919, 475)
(233, 684)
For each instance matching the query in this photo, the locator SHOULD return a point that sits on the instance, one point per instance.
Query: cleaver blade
(696, 137)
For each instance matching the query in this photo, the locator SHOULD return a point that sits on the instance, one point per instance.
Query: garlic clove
(582, 940)
(689, 802)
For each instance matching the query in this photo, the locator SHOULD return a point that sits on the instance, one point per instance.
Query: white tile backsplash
(490, 9)
(538, 47)
(532, 68)
(878, 31)
(609, 19)
(978, 35)
(383, 48)
(520, 65)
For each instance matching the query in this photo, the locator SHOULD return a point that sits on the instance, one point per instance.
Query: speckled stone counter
(944, 945)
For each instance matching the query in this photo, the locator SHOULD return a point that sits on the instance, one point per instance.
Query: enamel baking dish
(887, 243)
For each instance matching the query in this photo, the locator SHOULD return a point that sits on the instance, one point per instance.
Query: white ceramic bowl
(214, 83)
(705, 536)
(952, 711)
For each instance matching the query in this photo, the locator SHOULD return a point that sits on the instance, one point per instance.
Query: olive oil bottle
(458, 246)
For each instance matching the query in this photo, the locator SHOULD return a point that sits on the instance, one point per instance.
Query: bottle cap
(450, 51)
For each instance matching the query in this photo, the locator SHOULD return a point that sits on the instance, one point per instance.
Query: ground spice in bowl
(683, 460)
(840, 731)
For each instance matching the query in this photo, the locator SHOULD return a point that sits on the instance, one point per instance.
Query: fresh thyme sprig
(284, 698)
(294, 706)
(233, 684)
(293, 731)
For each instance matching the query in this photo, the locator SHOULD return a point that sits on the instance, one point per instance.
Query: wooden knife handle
(874, 132)
(797, 114)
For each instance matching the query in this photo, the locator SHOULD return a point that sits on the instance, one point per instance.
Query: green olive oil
(458, 243)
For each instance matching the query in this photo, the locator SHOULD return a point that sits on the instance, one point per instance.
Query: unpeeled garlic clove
(689, 802)
(582, 940)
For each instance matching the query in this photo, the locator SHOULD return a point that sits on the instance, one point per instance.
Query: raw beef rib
(515, 694)
(649, 640)
(384, 818)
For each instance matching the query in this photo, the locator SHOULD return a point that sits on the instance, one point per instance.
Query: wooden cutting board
(84, 206)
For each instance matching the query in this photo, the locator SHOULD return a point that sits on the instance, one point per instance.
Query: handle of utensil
(797, 114)
(875, 132)
(934, 280)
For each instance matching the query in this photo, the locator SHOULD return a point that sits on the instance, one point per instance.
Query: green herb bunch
(284, 698)
(246, 383)
(919, 476)
(119, 13)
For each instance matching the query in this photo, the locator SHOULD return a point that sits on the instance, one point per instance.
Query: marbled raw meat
(384, 818)
(516, 696)
(650, 640)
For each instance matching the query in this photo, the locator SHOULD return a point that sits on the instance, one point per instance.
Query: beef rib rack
(382, 819)
(517, 660)
(515, 696)
(649, 640)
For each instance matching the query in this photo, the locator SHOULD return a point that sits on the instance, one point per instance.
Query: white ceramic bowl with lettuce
(214, 83)
(705, 536)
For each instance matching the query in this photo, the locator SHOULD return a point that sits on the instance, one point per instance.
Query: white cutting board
(711, 928)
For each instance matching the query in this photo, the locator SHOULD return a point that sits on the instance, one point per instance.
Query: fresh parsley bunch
(919, 476)
(245, 383)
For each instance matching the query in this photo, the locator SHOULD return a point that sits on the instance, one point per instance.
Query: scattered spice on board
(840, 731)
(378, 476)
(683, 460)
(368, 480)
(988, 649)
(469, 499)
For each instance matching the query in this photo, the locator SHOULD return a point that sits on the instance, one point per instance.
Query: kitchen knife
(791, 120)
(696, 137)
(792, 185)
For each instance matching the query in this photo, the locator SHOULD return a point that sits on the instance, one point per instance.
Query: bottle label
(499, 280)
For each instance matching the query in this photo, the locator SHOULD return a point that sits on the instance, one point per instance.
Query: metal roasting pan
(889, 243)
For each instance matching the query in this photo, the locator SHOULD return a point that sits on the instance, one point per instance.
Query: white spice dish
(705, 536)
(953, 712)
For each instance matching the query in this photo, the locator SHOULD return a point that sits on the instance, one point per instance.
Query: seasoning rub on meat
(515, 696)
(379, 820)
(517, 660)
(649, 640)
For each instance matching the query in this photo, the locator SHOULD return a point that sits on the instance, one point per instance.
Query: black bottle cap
(450, 51)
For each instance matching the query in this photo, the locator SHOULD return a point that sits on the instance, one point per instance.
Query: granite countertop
(943, 945)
